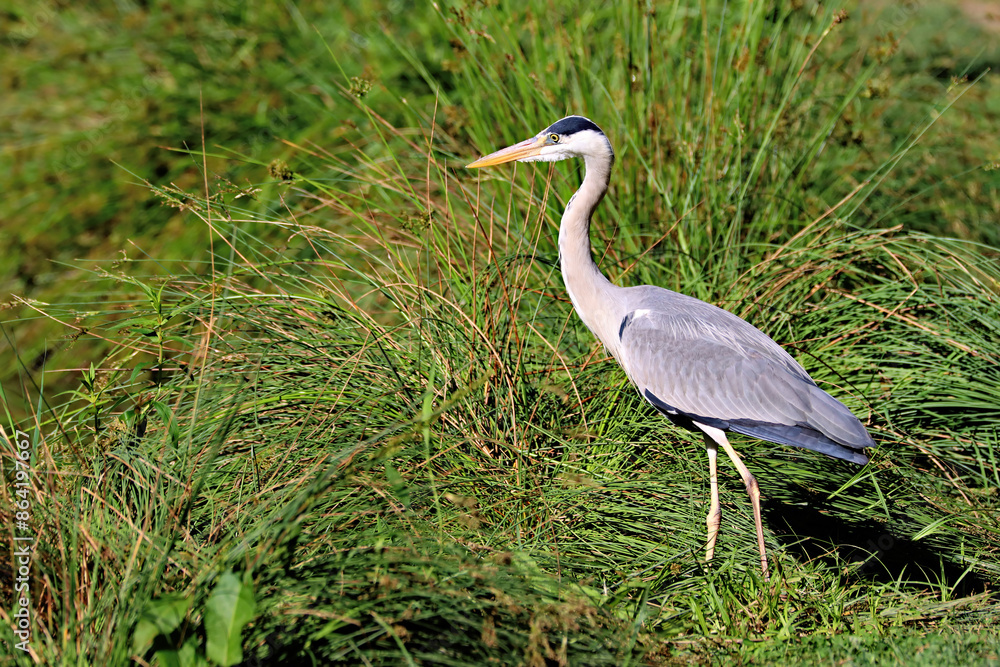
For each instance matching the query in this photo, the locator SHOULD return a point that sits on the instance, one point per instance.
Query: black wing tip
(797, 435)
(804, 436)
(851, 455)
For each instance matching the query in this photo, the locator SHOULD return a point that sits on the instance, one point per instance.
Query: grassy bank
(356, 418)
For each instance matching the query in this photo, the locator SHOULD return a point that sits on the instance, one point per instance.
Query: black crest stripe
(572, 125)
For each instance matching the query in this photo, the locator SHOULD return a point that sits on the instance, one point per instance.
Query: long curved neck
(591, 293)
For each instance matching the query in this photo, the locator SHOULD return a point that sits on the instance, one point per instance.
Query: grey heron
(702, 367)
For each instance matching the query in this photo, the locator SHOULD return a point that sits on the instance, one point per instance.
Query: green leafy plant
(166, 622)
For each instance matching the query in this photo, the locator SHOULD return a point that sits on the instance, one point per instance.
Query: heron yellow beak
(527, 148)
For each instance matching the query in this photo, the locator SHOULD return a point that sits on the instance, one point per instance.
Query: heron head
(572, 136)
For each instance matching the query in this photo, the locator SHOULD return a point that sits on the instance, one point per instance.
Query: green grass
(360, 423)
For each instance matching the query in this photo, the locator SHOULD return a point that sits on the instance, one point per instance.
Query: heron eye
(554, 138)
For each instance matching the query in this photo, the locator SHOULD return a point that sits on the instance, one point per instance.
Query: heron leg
(754, 492)
(714, 510)
(713, 437)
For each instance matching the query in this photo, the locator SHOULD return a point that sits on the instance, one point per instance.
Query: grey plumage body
(742, 380)
(702, 367)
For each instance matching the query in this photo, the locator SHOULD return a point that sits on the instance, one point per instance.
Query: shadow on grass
(811, 533)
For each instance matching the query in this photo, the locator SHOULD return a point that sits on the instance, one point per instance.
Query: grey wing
(710, 367)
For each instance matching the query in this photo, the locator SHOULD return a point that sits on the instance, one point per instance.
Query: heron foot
(714, 520)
